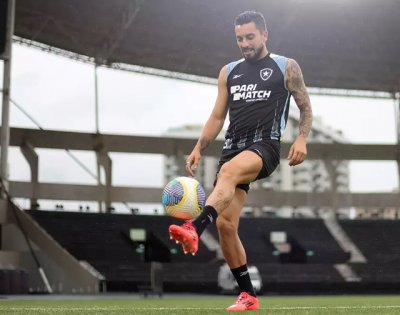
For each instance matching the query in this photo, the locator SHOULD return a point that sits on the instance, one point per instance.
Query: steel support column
(397, 106)
(331, 168)
(33, 160)
(5, 119)
(104, 160)
(97, 125)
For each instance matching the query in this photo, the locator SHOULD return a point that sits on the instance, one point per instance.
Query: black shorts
(268, 150)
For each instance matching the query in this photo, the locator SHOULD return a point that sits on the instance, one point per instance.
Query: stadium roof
(345, 44)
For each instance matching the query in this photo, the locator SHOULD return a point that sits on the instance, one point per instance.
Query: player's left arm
(296, 86)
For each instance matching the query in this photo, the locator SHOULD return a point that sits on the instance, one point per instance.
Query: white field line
(24, 308)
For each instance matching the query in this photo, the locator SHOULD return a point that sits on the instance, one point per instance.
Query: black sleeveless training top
(258, 101)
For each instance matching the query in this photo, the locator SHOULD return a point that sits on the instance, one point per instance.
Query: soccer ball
(183, 198)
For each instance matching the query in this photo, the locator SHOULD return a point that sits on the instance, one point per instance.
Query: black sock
(207, 216)
(242, 277)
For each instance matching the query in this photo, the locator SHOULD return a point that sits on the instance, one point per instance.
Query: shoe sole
(247, 309)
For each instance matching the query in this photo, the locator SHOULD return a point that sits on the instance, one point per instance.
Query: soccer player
(256, 91)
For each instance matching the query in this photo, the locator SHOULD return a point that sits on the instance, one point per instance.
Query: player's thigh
(243, 168)
(230, 216)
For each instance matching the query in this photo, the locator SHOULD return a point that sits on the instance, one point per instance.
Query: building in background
(310, 176)
(387, 213)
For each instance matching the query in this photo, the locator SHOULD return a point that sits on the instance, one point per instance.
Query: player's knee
(226, 226)
(227, 174)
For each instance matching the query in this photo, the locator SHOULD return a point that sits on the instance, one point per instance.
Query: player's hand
(298, 151)
(192, 162)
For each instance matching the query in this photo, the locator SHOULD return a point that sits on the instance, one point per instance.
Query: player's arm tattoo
(296, 86)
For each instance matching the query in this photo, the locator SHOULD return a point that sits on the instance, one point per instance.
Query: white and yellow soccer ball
(183, 198)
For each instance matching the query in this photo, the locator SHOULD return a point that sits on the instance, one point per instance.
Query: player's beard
(256, 56)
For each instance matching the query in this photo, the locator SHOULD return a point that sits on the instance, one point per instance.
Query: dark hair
(251, 16)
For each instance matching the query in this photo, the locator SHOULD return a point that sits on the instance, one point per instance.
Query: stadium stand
(13, 281)
(181, 275)
(309, 239)
(380, 243)
(301, 278)
(378, 239)
(103, 240)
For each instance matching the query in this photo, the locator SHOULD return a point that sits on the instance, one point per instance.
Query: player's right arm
(213, 125)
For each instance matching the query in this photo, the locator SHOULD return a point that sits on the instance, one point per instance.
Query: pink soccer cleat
(186, 235)
(244, 302)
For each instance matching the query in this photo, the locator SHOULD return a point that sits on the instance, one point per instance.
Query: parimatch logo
(249, 93)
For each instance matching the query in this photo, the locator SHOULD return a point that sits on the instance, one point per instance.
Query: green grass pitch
(191, 305)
